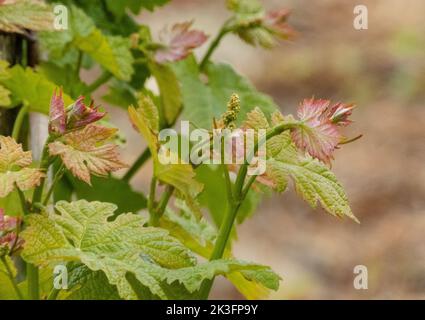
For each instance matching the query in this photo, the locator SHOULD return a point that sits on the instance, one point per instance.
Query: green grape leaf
(17, 16)
(63, 76)
(83, 232)
(27, 85)
(104, 17)
(192, 277)
(12, 204)
(314, 182)
(14, 168)
(145, 118)
(204, 101)
(85, 284)
(110, 189)
(171, 100)
(111, 52)
(120, 94)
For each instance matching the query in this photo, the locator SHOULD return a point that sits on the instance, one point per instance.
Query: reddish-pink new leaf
(179, 42)
(276, 21)
(57, 123)
(80, 115)
(86, 151)
(75, 116)
(8, 237)
(320, 135)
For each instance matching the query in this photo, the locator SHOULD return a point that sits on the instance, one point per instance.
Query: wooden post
(11, 51)
(17, 49)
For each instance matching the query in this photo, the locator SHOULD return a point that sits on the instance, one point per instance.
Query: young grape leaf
(314, 182)
(18, 15)
(82, 232)
(255, 26)
(145, 119)
(14, 168)
(84, 152)
(203, 102)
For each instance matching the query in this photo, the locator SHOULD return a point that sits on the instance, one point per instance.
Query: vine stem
(146, 154)
(137, 165)
(151, 201)
(156, 211)
(33, 282)
(44, 166)
(32, 270)
(24, 206)
(19, 121)
(58, 176)
(236, 201)
(78, 66)
(164, 201)
(214, 44)
(53, 294)
(12, 279)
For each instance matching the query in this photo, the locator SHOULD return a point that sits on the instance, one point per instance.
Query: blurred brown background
(382, 70)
